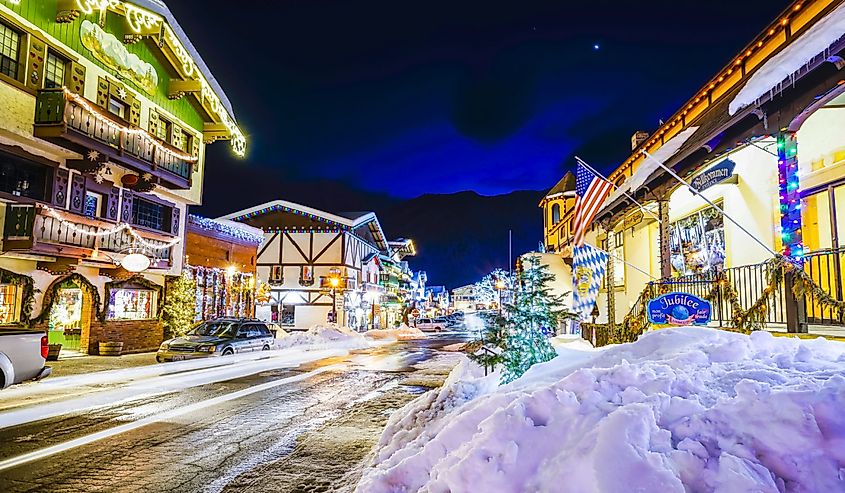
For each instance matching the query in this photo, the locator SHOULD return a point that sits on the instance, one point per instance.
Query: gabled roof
(566, 184)
(354, 221)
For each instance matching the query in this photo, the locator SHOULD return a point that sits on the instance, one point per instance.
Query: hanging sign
(679, 309)
(713, 175)
(633, 219)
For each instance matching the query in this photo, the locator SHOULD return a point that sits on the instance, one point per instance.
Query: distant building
(558, 207)
(436, 300)
(465, 298)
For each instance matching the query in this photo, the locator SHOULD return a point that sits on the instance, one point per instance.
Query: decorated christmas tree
(521, 333)
(180, 305)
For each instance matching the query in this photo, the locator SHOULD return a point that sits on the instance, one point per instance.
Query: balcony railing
(30, 228)
(58, 117)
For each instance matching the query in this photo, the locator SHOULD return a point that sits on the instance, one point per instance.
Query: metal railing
(52, 107)
(824, 267)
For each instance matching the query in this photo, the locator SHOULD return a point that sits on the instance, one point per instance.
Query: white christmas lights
(109, 232)
(139, 19)
(132, 131)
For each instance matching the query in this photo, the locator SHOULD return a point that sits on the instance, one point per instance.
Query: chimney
(638, 138)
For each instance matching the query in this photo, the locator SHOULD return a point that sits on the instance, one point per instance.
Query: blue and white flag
(588, 267)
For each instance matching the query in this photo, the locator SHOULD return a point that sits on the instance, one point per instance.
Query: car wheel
(265, 348)
(228, 352)
(159, 360)
(439, 329)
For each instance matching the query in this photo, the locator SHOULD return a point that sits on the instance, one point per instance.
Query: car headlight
(207, 349)
(164, 347)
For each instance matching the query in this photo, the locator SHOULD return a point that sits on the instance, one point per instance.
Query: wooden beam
(212, 132)
(178, 88)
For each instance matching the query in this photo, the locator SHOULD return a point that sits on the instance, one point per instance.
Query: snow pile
(323, 336)
(790, 60)
(401, 333)
(680, 410)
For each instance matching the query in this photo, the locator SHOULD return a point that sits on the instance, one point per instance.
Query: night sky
(351, 105)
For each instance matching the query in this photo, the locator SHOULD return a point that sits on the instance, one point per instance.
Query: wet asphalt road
(307, 429)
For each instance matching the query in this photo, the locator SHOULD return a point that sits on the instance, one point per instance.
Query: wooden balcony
(65, 122)
(29, 228)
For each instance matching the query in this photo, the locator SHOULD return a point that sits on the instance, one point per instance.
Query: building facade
(305, 248)
(762, 142)
(107, 111)
(221, 257)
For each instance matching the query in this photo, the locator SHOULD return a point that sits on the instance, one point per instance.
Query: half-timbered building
(302, 246)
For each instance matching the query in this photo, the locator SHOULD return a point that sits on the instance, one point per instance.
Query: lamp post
(334, 282)
(500, 286)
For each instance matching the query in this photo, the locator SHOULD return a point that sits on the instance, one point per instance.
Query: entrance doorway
(65, 324)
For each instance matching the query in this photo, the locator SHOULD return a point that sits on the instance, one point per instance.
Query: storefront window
(697, 243)
(132, 304)
(8, 303)
(66, 317)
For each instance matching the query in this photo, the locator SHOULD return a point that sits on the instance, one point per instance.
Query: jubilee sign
(679, 309)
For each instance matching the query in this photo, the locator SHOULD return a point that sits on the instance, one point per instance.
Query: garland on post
(742, 320)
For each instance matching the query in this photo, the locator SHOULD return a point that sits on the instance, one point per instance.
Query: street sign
(415, 313)
(679, 310)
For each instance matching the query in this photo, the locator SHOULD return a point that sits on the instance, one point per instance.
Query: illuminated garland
(109, 232)
(96, 112)
(233, 231)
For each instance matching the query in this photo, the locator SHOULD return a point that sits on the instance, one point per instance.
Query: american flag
(592, 191)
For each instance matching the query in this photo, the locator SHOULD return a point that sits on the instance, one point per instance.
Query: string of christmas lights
(790, 196)
(109, 232)
(96, 113)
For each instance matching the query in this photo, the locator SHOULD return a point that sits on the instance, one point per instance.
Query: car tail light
(45, 349)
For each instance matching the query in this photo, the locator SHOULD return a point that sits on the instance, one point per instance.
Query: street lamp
(334, 283)
(500, 286)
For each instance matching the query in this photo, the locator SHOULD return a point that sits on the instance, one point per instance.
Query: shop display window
(8, 303)
(697, 243)
(132, 304)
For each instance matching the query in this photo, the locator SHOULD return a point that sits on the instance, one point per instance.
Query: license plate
(178, 357)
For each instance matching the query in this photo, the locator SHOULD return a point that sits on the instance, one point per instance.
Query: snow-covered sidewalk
(680, 410)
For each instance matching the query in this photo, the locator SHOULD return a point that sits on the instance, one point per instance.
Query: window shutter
(35, 66)
(176, 138)
(174, 220)
(75, 77)
(154, 122)
(102, 92)
(126, 214)
(195, 147)
(77, 193)
(134, 109)
(112, 204)
(60, 182)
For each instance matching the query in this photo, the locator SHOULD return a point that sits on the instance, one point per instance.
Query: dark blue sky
(407, 98)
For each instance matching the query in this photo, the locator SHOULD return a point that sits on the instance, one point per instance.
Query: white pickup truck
(22, 356)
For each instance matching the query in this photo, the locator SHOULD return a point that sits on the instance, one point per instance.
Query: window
(306, 275)
(276, 274)
(54, 71)
(148, 214)
(287, 317)
(93, 204)
(10, 41)
(697, 243)
(617, 256)
(117, 107)
(132, 304)
(23, 178)
(555, 213)
(8, 303)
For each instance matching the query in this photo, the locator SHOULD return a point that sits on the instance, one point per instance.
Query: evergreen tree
(180, 305)
(521, 333)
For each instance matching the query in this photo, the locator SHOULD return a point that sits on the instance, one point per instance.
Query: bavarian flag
(588, 267)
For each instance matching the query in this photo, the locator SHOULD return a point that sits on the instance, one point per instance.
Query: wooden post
(665, 251)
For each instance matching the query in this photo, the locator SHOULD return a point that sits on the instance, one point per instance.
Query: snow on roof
(225, 226)
(649, 166)
(784, 65)
(160, 8)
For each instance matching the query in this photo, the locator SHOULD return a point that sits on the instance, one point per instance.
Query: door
(65, 323)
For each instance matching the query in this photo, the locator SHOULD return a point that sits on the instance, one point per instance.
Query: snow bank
(401, 333)
(790, 60)
(679, 410)
(324, 336)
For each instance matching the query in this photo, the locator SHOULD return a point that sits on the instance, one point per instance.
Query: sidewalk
(75, 365)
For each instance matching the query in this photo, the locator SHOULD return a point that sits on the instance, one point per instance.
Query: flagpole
(696, 192)
(626, 263)
(593, 170)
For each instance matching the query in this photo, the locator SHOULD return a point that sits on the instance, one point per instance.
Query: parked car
(219, 337)
(22, 356)
(429, 325)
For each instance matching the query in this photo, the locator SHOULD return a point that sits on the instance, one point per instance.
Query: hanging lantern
(135, 262)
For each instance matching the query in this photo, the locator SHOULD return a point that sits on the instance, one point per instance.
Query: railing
(825, 269)
(52, 107)
(26, 227)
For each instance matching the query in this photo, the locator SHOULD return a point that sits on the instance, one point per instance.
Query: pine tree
(180, 305)
(522, 332)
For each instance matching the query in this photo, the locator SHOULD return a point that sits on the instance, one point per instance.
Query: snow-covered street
(680, 410)
(207, 425)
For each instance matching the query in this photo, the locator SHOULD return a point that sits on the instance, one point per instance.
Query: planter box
(111, 348)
